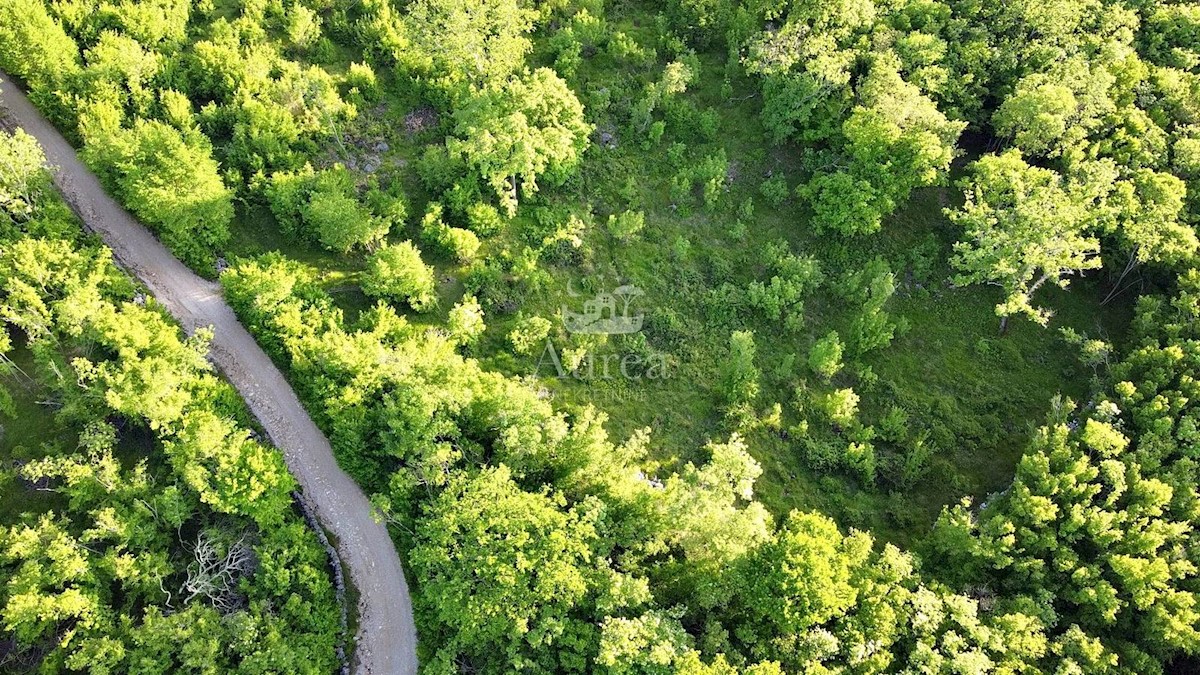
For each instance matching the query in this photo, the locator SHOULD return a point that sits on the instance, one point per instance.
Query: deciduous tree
(396, 272)
(1025, 226)
(515, 132)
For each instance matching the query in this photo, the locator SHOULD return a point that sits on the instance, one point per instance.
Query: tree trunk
(1116, 289)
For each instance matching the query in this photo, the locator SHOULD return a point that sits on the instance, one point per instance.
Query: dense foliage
(539, 544)
(800, 186)
(172, 544)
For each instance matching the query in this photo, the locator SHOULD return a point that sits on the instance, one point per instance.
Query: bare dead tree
(214, 576)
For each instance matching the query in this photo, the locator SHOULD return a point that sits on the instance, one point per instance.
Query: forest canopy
(905, 381)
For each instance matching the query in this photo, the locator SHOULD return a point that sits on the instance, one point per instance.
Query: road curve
(386, 641)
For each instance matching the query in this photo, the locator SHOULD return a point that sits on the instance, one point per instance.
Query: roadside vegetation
(144, 527)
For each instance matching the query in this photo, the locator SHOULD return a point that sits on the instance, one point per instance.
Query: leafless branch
(214, 576)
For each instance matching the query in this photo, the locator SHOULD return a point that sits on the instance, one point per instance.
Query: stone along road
(386, 639)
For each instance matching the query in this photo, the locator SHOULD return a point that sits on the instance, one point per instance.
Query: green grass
(25, 434)
(951, 370)
(980, 392)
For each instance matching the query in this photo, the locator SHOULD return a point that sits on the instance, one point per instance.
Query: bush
(822, 454)
(860, 457)
(739, 375)
(397, 273)
(462, 244)
(286, 193)
(825, 358)
(438, 170)
(361, 78)
(801, 269)
(708, 124)
(775, 298)
(622, 47)
(681, 187)
(681, 247)
(491, 285)
(711, 173)
(894, 425)
(794, 277)
(655, 133)
(324, 207)
(529, 334)
(746, 210)
(916, 459)
(484, 219)
(626, 225)
(845, 203)
(775, 190)
(303, 27)
(466, 321)
(341, 223)
(569, 54)
(839, 405)
(870, 330)
(871, 287)
(389, 204)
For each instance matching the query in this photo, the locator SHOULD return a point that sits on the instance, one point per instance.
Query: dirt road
(386, 640)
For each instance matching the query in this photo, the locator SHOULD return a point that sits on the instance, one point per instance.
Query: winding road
(386, 641)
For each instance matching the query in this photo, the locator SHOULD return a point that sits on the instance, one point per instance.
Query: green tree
(529, 334)
(506, 574)
(515, 132)
(229, 471)
(474, 45)
(52, 586)
(896, 140)
(35, 48)
(709, 515)
(1025, 226)
(803, 577)
(1038, 114)
(739, 375)
(825, 357)
(460, 243)
(840, 405)
(1151, 221)
(626, 225)
(654, 642)
(118, 64)
(807, 65)
(23, 178)
(465, 322)
(168, 179)
(396, 272)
